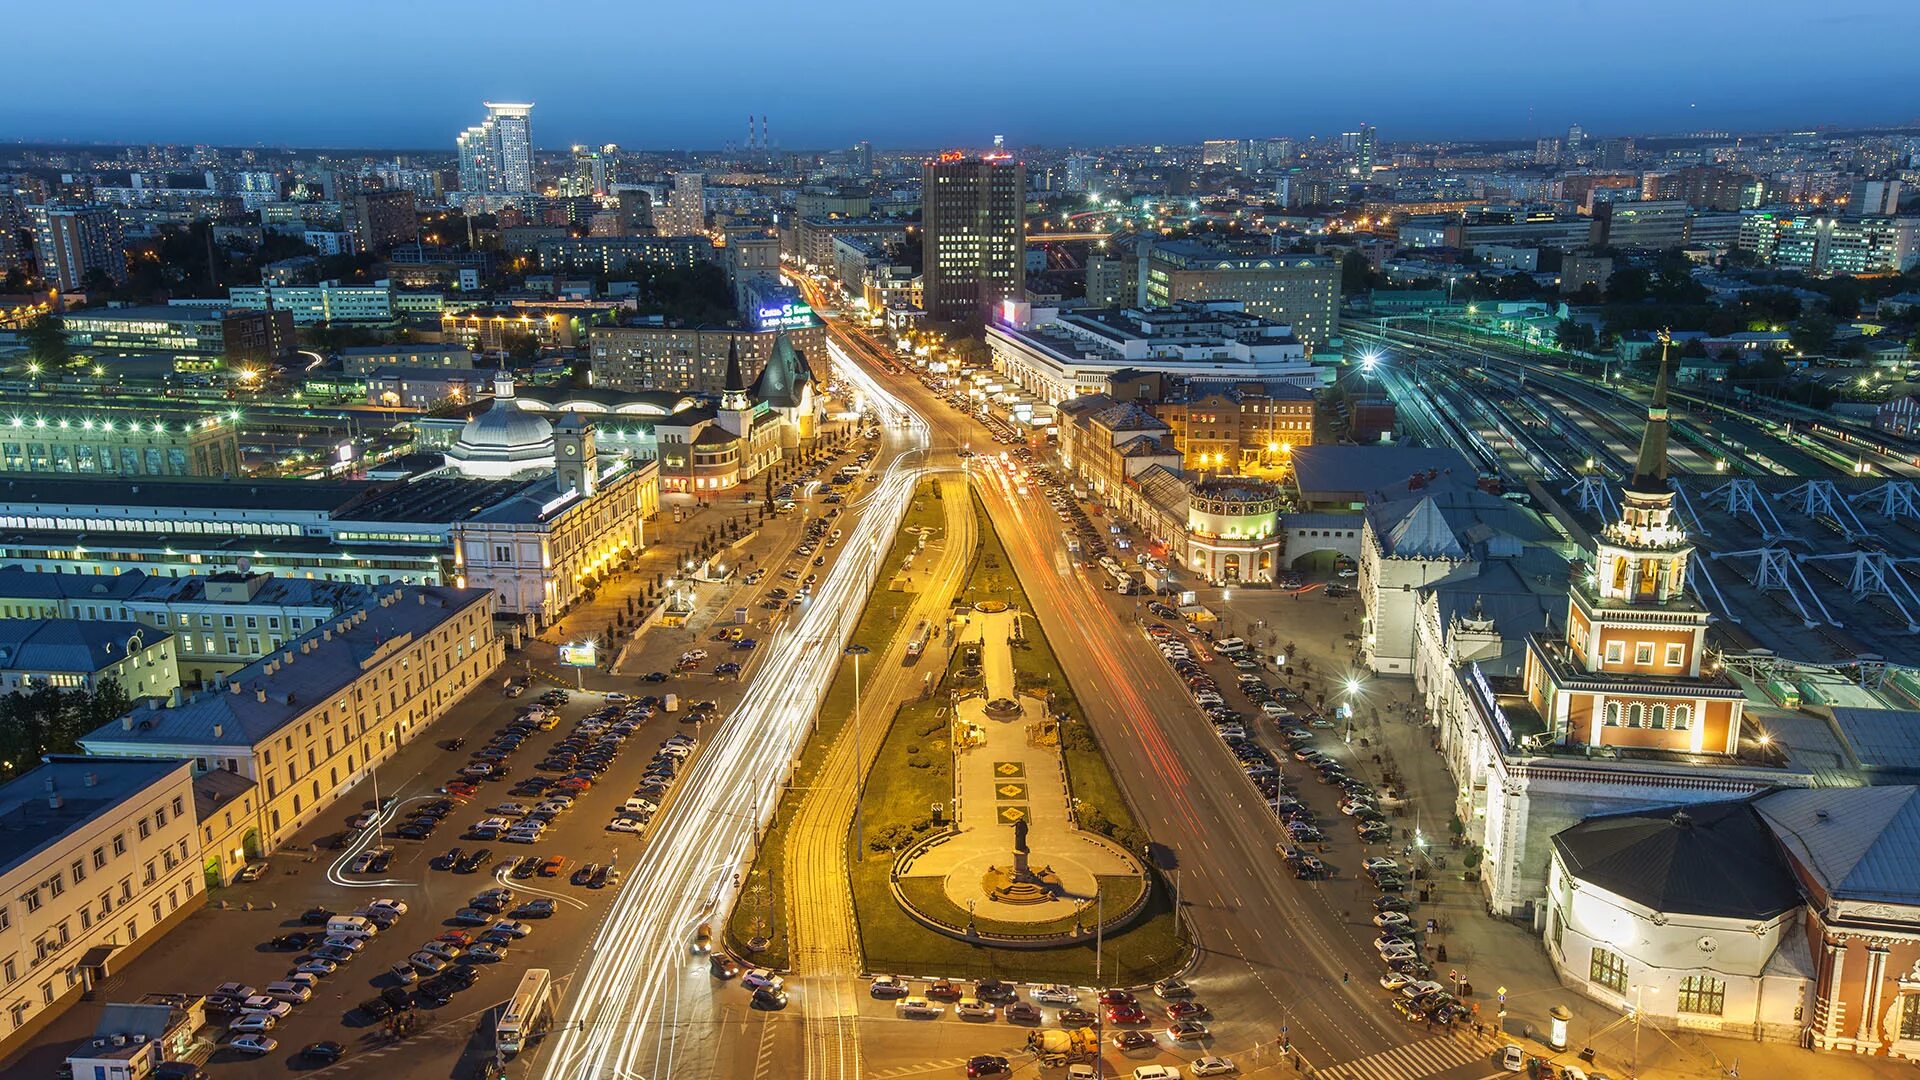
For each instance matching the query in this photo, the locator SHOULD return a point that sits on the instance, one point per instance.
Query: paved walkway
(1004, 778)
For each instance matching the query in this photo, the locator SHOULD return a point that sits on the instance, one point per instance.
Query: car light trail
(618, 1008)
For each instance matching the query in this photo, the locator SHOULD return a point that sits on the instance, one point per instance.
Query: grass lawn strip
(912, 771)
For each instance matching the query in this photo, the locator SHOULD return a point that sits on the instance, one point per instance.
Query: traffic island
(1011, 801)
(909, 809)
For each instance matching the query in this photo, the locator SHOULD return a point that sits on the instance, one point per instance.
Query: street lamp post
(1353, 687)
(1639, 992)
(859, 759)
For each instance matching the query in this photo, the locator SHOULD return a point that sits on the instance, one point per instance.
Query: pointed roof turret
(1650, 468)
(735, 380)
(783, 380)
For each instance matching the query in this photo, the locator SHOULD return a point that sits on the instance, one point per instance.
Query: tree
(47, 341)
(1628, 285)
(1357, 274)
(1843, 297)
(1575, 335)
(521, 349)
(1812, 334)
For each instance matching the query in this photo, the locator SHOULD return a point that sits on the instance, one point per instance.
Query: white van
(351, 924)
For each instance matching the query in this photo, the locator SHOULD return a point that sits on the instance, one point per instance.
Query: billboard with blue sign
(788, 315)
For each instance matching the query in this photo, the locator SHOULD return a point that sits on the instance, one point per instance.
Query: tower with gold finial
(736, 406)
(1628, 671)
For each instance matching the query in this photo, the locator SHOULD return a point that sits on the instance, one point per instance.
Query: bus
(1073, 541)
(917, 644)
(527, 1014)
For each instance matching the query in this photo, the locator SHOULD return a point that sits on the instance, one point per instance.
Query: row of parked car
(1417, 998)
(662, 770)
(253, 1013)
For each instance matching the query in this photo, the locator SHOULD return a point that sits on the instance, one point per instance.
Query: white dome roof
(504, 440)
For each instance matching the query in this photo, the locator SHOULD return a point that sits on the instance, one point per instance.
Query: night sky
(920, 73)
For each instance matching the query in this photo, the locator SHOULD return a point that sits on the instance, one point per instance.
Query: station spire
(1650, 469)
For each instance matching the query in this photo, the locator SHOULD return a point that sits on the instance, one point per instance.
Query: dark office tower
(974, 235)
(1615, 153)
(380, 219)
(636, 212)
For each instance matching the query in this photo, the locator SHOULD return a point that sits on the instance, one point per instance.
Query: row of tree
(45, 720)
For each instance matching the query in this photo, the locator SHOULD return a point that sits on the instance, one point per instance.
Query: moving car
(1172, 988)
(1133, 1040)
(975, 1009)
(328, 1051)
(889, 986)
(917, 1007)
(988, 1065)
(1055, 995)
(1513, 1059)
(1213, 1066)
(1187, 1031)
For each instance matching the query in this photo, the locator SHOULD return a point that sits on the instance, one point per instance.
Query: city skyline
(1608, 75)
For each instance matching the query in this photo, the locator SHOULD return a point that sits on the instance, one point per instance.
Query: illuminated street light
(1353, 686)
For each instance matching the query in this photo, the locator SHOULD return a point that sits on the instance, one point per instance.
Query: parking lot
(543, 811)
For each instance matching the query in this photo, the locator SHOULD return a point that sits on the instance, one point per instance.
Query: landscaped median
(913, 775)
(760, 914)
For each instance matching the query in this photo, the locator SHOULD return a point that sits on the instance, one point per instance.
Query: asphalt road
(1272, 950)
(640, 1001)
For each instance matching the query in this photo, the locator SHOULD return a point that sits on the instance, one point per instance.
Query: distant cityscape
(1313, 604)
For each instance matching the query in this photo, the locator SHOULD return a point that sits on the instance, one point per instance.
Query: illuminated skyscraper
(974, 237)
(496, 155)
(687, 206)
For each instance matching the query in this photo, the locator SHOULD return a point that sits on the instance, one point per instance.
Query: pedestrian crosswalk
(1427, 1057)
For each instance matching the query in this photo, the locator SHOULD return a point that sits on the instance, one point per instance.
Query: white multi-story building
(328, 301)
(98, 858)
(310, 720)
(496, 155)
(687, 208)
(1056, 354)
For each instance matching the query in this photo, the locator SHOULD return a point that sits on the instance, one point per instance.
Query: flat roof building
(974, 235)
(1300, 291)
(1056, 354)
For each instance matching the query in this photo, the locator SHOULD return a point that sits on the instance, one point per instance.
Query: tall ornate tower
(736, 408)
(575, 461)
(1628, 672)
